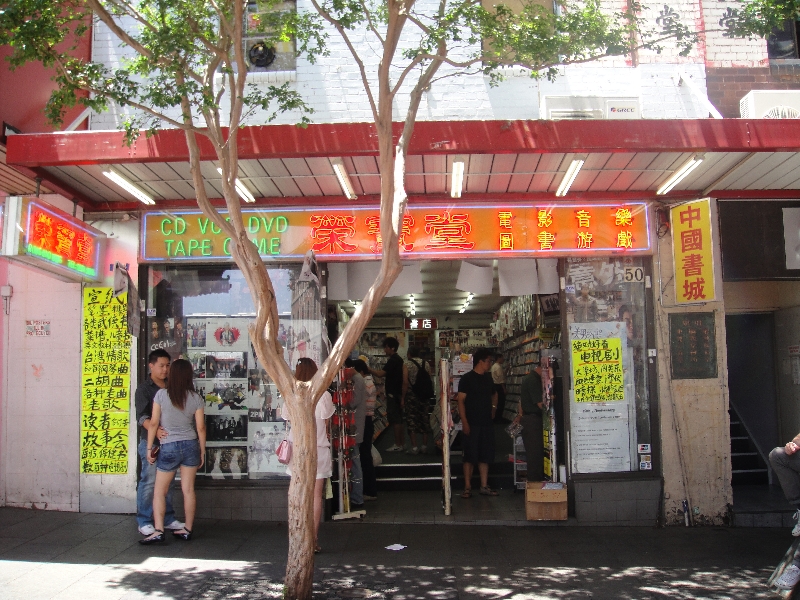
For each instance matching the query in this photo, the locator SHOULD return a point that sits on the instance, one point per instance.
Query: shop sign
(42, 235)
(37, 328)
(420, 324)
(428, 232)
(105, 382)
(692, 252)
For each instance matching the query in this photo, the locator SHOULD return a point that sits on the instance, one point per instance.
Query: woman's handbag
(284, 451)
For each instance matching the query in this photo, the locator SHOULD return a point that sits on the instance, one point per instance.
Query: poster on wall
(262, 443)
(227, 334)
(105, 382)
(600, 398)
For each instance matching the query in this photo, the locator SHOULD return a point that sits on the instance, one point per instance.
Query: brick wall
(726, 86)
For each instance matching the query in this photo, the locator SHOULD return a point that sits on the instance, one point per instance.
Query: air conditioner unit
(770, 104)
(556, 108)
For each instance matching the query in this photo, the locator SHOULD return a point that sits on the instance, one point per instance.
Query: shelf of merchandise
(522, 355)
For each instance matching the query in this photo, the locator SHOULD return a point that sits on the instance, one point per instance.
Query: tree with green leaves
(185, 68)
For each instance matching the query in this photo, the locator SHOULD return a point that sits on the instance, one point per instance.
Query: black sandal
(154, 538)
(184, 534)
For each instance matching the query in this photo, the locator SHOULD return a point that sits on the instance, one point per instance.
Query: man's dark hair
(413, 352)
(498, 355)
(153, 357)
(392, 343)
(625, 308)
(481, 354)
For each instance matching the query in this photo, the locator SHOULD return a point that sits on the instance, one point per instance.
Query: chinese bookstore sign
(691, 251)
(105, 383)
(489, 231)
(597, 370)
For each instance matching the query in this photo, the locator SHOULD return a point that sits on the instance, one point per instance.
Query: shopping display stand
(344, 440)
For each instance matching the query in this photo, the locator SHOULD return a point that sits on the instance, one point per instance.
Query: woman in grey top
(179, 410)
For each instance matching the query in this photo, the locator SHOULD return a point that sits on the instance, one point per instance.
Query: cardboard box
(545, 505)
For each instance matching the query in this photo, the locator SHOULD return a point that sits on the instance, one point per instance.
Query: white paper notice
(395, 547)
(796, 370)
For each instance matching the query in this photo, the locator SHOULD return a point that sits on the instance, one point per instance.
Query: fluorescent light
(243, 192)
(128, 186)
(572, 172)
(680, 174)
(344, 179)
(457, 176)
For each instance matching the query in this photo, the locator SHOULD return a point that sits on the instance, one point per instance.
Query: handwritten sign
(105, 383)
(597, 370)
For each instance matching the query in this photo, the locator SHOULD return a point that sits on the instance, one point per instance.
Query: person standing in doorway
(359, 406)
(477, 403)
(499, 378)
(529, 415)
(417, 407)
(393, 372)
(158, 362)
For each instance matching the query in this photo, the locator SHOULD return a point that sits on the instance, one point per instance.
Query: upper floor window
(261, 53)
(782, 44)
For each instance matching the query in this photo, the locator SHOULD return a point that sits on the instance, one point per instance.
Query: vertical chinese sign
(691, 251)
(105, 383)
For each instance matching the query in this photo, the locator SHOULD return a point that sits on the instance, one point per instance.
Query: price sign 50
(634, 274)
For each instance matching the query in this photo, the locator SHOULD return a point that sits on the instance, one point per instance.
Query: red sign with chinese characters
(420, 324)
(428, 232)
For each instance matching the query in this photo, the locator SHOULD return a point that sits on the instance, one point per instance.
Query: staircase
(746, 463)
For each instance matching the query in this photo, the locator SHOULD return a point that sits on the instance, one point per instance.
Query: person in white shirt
(499, 379)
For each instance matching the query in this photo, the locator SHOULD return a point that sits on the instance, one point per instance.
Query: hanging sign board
(48, 238)
(105, 382)
(692, 252)
(428, 232)
(421, 324)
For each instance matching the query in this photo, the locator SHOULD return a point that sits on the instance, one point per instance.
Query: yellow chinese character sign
(105, 383)
(597, 370)
(692, 252)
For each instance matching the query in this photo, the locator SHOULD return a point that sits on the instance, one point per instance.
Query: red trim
(439, 137)
(754, 194)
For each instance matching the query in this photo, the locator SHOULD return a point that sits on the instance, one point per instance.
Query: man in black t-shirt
(394, 385)
(477, 403)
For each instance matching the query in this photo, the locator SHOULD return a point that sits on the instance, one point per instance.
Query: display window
(606, 349)
(202, 314)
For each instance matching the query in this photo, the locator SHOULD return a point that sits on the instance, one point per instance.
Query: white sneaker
(789, 578)
(796, 530)
(147, 530)
(394, 448)
(413, 450)
(175, 525)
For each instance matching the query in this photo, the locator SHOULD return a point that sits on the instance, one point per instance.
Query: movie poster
(262, 444)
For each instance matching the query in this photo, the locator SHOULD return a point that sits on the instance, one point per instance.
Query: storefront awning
(503, 161)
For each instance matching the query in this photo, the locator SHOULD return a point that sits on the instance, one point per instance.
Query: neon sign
(51, 239)
(428, 232)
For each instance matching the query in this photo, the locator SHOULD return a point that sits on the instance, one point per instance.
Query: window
(202, 315)
(609, 404)
(782, 44)
(264, 55)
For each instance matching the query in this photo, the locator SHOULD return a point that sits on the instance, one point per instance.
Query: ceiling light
(243, 192)
(128, 186)
(572, 172)
(680, 174)
(344, 178)
(457, 176)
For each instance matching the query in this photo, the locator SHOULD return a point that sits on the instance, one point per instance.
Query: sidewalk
(88, 556)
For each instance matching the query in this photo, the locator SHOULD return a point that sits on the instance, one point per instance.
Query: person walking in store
(477, 402)
(365, 449)
(158, 363)
(499, 378)
(180, 409)
(529, 415)
(393, 372)
(359, 405)
(418, 398)
(323, 412)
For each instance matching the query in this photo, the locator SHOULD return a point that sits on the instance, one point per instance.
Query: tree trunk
(300, 562)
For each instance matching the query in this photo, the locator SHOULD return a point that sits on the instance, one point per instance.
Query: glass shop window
(202, 315)
(609, 407)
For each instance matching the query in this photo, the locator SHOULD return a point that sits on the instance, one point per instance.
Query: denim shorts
(185, 453)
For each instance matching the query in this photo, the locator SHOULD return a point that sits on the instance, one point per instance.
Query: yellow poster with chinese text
(105, 383)
(597, 372)
(692, 252)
